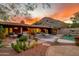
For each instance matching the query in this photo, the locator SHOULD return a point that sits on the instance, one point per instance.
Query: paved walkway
(42, 50)
(7, 42)
(39, 50)
(67, 50)
(7, 52)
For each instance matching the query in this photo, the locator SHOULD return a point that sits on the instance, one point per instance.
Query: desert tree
(75, 20)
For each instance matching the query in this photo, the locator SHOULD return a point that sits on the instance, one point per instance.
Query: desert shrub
(2, 35)
(2, 32)
(23, 38)
(24, 46)
(1, 45)
(21, 44)
(19, 47)
(16, 47)
(12, 45)
(32, 43)
(0, 41)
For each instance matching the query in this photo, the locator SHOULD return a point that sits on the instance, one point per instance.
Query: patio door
(49, 30)
(16, 30)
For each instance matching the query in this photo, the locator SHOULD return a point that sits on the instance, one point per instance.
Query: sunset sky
(58, 11)
(66, 11)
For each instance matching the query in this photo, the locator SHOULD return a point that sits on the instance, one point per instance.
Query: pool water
(69, 37)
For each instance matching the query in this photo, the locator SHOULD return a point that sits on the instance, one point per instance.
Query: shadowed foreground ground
(63, 51)
(39, 50)
(43, 50)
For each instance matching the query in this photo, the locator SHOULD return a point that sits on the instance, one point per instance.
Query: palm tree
(75, 20)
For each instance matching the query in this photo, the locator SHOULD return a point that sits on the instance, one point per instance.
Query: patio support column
(49, 30)
(21, 30)
(8, 30)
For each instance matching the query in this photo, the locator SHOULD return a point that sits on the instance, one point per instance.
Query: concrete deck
(38, 50)
(66, 50)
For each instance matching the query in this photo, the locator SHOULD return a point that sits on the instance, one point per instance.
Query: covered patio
(20, 28)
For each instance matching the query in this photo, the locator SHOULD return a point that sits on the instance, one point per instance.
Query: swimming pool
(69, 37)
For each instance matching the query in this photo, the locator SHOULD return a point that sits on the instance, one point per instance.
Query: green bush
(16, 47)
(24, 46)
(1, 45)
(32, 43)
(2, 32)
(23, 38)
(12, 45)
(0, 41)
(21, 44)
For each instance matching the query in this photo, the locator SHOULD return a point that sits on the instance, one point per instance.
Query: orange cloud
(25, 20)
(66, 12)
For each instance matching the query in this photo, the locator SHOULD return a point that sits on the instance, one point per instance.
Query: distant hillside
(47, 21)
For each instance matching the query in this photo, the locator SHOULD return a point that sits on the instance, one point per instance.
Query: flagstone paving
(39, 50)
(7, 52)
(67, 50)
(42, 49)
